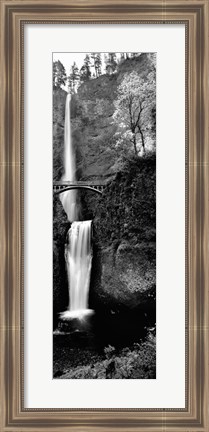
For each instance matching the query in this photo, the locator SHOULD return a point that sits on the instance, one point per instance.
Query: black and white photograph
(104, 215)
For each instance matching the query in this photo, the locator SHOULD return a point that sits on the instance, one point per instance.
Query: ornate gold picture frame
(14, 15)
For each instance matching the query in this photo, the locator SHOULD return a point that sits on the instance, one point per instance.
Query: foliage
(73, 78)
(59, 75)
(60, 228)
(85, 72)
(59, 97)
(109, 351)
(111, 63)
(127, 209)
(138, 362)
(134, 55)
(97, 64)
(134, 108)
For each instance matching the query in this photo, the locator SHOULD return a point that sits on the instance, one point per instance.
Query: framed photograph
(104, 265)
(104, 204)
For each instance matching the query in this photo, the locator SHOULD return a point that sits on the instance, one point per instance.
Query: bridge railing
(79, 183)
(62, 186)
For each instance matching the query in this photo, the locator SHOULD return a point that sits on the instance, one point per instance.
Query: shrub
(138, 362)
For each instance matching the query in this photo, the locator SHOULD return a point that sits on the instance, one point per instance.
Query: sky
(67, 59)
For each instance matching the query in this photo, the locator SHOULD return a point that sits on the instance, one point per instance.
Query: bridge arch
(67, 188)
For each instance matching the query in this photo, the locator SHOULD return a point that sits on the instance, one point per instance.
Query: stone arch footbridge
(63, 186)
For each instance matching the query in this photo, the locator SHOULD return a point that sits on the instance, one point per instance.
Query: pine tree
(93, 58)
(85, 72)
(97, 63)
(111, 63)
(73, 78)
(59, 74)
(134, 55)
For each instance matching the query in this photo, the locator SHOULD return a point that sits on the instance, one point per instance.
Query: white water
(78, 250)
(69, 198)
(78, 256)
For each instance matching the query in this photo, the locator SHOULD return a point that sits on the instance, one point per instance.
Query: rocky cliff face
(126, 278)
(124, 238)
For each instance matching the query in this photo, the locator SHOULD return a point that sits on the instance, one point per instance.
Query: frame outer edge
(3, 168)
(15, 244)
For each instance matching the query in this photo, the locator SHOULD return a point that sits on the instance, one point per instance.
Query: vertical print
(104, 215)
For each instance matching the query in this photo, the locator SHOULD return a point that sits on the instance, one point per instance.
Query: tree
(87, 62)
(73, 78)
(97, 63)
(134, 55)
(152, 59)
(111, 63)
(85, 72)
(134, 108)
(93, 58)
(59, 74)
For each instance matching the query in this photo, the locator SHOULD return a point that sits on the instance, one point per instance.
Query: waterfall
(69, 198)
(78, 255)
(78, 250)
